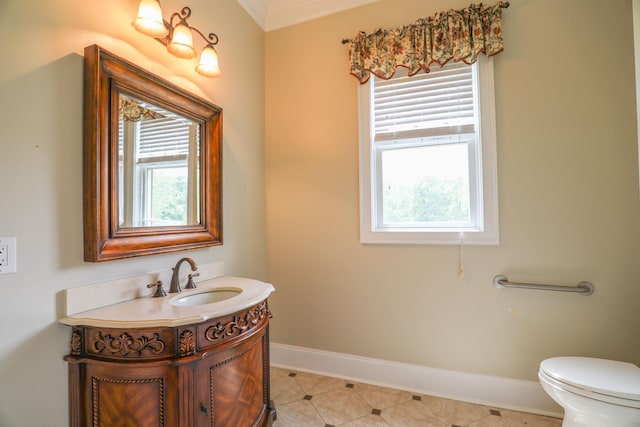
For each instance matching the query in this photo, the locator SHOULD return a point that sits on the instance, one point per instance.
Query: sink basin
(207, 297)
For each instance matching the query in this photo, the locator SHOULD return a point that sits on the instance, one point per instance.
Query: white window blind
(434, 104)
(164, 137)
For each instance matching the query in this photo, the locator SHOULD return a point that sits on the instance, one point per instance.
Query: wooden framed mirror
(152, 163)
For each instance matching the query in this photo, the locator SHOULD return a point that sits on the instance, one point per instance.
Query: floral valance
(460, 35)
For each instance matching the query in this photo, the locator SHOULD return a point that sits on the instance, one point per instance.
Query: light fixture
(149, 20)
(181, 42)
(208, 65)
(178, 36)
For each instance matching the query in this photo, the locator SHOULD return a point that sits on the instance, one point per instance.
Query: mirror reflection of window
(158, 167)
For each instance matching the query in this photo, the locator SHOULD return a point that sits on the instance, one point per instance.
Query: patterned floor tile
(368, 421)
(492, 421)
(340, 406)
(284, 388)
(524, 419)
(412, 414)
(298, 414)
(309, 400)
(380, 397)
(316, 384)
(456, 412)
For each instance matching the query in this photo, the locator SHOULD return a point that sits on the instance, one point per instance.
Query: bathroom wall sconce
(177, 35)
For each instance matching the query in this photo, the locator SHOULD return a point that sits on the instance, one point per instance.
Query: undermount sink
(208, 297)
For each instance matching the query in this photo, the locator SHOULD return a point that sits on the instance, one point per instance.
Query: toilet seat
(605, 380)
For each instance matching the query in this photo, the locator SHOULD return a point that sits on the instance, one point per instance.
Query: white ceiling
(274, 14)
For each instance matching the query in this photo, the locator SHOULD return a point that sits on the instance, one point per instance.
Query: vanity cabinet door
(233, 385)
(133, 394)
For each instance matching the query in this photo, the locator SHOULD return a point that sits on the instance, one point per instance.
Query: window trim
(490, 232)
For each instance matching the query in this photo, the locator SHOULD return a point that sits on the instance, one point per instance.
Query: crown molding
(257, 9)
(275, 14)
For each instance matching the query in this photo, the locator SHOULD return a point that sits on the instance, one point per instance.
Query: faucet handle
(159, 290)
(190, 283)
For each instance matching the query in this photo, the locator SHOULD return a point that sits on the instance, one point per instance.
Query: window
(158, 161)
(428, 157)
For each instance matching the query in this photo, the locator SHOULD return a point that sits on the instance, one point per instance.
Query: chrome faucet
(175, 278)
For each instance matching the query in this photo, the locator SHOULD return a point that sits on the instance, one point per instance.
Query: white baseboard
(505, 393)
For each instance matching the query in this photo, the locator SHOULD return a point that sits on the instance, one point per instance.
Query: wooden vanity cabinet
(214, 373)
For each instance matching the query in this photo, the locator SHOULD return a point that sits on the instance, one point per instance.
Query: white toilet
(593, 392)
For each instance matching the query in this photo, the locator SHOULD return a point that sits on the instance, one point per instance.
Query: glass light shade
(149, 20)
(208, 66)
(182, 42)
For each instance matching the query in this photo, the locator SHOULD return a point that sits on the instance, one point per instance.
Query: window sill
(429, 237)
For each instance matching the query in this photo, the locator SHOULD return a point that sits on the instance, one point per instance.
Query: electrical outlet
(7, 255)
(4, 261)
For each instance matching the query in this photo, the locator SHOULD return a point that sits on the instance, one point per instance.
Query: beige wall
(569, 205)
(568, 191)
(40, 172)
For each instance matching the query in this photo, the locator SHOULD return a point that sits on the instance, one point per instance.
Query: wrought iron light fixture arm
(176, 35)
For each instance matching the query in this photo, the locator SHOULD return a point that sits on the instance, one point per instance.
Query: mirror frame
(105, 77)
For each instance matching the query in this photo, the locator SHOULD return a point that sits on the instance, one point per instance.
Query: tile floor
(307, 400)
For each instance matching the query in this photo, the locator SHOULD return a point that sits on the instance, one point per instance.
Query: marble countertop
(149, 311)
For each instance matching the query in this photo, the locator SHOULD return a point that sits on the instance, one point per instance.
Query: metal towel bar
(583, 288)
